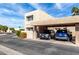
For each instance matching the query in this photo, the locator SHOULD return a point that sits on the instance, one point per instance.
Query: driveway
(29, 47)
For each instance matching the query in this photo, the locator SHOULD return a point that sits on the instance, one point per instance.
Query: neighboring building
(37, 21)
(9, 31)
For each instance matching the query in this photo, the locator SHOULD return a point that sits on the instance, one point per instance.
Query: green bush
(23, 35)
(12, 29)
(18, 33)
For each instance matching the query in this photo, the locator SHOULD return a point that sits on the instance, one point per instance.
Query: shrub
(18, 33)
(23, 35)
(12, 29)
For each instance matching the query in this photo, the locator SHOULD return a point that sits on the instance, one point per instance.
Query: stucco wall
(77, 34)
(29, 34)
(37, 15)
(72, 29)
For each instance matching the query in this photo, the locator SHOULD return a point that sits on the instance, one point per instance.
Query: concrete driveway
(31, 47)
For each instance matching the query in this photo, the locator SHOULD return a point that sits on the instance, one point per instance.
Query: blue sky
(12, 14)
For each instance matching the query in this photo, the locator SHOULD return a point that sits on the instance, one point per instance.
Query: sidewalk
(2, 34)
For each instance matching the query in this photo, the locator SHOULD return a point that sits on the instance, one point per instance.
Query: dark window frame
(29, 18)
(29, 29)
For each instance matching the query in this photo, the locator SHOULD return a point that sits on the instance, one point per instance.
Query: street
(29, 47)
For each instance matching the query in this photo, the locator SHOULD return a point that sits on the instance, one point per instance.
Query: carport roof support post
(77, 34)
(34, 32)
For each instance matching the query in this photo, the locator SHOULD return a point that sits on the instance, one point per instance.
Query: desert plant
(18, 33)
(23, 35)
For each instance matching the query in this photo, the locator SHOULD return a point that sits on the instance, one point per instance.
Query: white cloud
(11, 22)
(35, 5)
(4, 10)
(58, 6)
(16, 9)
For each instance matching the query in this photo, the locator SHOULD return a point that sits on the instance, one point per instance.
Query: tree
(75, 11)
(0, 27)
(12, 29)
(21, 29)
(4, 28)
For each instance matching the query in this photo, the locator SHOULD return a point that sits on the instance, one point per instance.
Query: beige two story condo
(38, 21)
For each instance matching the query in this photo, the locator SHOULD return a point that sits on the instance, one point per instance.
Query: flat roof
(63, 20)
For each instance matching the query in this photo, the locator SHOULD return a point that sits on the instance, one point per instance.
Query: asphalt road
(29, 47)
(2, 53)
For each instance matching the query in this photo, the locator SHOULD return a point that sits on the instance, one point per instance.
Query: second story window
(29, 18)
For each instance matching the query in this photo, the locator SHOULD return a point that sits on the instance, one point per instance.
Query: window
(29, 29)
(30, 18)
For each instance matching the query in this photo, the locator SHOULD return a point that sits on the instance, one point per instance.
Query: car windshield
(46, 31)
(62, 31)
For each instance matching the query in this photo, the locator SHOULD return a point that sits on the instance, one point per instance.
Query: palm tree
(75, 11)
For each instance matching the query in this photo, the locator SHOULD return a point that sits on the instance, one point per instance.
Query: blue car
(63, 35)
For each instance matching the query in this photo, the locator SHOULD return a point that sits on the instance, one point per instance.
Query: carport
(71, 22)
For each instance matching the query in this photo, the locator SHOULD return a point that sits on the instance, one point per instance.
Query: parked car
(46, 34)
(62, 34)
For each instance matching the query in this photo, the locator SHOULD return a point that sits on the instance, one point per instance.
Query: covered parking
(71, 23)
(41, 28)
